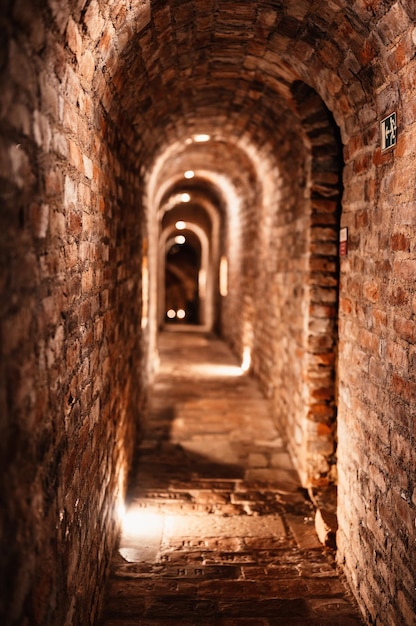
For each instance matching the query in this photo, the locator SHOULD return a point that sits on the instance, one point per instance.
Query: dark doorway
(182, 266)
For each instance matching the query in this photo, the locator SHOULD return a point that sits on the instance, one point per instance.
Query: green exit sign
(388, 130)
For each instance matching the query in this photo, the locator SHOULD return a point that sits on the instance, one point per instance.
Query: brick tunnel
(235, 170)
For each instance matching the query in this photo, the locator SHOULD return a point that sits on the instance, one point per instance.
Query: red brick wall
(284, 282)
(377, 386)
(70, 350)
(239, 241)
(376, 389)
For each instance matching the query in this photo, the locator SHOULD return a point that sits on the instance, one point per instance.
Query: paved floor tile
(218, 530)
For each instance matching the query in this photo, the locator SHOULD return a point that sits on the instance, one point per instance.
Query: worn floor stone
(218, 529)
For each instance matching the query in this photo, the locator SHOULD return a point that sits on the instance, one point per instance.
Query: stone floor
(218, 530)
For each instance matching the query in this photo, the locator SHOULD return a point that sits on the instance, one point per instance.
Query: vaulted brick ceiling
(166, 69)
(225, 68)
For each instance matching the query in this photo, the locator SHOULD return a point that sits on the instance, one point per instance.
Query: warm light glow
(181, 314)
(120, 507)
(139, 522)
(202, 283)
(171, 314)
(180, 239)
(213, 370)
(185, 197)
(189, 174)
(145, 292)
(224, 276)
(201, 138)
(245, 365)
(121, 512)
(180, 225)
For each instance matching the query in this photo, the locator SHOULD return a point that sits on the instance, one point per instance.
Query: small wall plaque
(388, 131)
(343, 241)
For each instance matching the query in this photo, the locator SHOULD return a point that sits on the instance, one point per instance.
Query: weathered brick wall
(283, 283)
(317, 455)
(267, 269)
(377, 385)
(70, 316)
(282, 295)
(239, 247)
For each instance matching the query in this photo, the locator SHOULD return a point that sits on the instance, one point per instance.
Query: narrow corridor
(248, 166)
(217, 529)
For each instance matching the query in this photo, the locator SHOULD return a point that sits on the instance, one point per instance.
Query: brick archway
(322, 332)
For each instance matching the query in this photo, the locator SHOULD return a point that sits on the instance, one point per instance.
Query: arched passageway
(283, 111)
(188, 241)
(182, 280)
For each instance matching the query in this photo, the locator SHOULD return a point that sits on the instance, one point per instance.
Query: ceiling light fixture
(201, 138)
